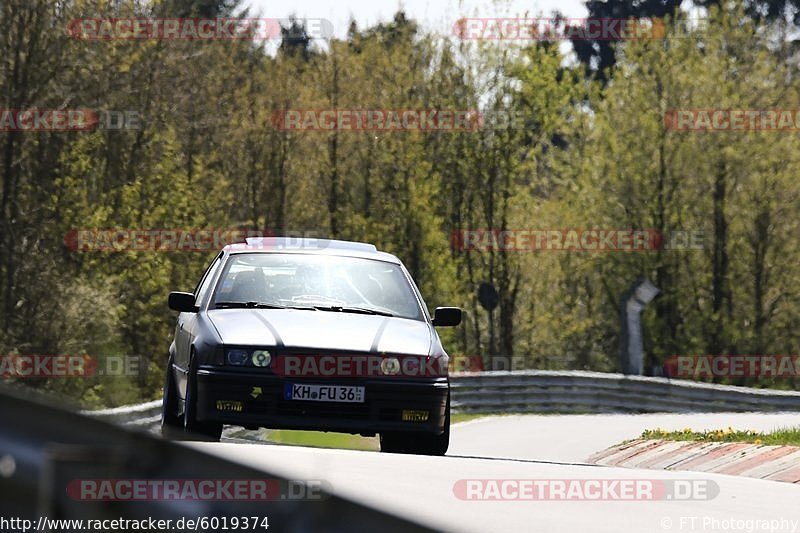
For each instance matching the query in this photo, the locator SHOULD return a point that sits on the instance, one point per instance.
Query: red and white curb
(776, 463)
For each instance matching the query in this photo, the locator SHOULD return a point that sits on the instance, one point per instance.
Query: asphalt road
(542, 448)
(574, 438)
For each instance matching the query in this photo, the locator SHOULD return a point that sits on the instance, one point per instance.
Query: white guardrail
(545, 391)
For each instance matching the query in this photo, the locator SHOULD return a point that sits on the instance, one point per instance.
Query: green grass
(321, 439)
(783, 436)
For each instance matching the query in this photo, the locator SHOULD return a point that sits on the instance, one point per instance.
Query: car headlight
(238, 357)
(261, 358)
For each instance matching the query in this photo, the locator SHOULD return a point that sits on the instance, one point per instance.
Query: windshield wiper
(358, 310)
(247, 305)
(260, 305)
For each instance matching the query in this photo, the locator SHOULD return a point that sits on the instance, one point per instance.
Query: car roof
(306, 245)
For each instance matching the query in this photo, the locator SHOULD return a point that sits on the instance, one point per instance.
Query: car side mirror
(447, 316)
(182, 301)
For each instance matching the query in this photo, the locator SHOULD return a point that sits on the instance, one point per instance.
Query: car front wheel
(192, 428)
(171, 423)
(418, 443)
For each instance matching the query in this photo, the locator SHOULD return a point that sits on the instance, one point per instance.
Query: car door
(186, 328)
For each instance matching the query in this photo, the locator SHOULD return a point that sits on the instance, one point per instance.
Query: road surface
(542, 448)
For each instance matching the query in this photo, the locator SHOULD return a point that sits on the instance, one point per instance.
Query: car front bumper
(255, 399)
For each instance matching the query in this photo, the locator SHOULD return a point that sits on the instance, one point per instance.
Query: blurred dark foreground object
(46, 452)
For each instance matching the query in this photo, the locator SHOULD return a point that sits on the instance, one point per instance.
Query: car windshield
(316, 282)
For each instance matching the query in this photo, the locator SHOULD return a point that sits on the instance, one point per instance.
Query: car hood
(322, 330)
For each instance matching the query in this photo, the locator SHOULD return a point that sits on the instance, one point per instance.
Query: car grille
(350, 411)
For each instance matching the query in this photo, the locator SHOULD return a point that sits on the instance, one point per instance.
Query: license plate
(323, 393)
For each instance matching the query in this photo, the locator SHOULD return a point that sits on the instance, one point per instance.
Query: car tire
(418, 443)
(171, 422)
(437, 444)
(192, 428)
(394, 442)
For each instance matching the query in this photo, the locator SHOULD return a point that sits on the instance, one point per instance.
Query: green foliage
(575, 154)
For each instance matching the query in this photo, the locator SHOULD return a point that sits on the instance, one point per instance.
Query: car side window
(209, 277)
